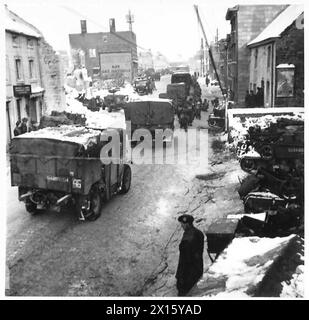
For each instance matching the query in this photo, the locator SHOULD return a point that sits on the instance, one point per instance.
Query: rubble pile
(273, 155)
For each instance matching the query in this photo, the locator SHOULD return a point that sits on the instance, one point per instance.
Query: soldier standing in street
(190, 265)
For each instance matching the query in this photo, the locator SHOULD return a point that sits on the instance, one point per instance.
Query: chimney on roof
(83, 25)
(112, 27)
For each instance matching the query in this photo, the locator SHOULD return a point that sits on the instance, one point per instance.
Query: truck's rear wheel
(91, 206)
(32, 208)
(126, 179)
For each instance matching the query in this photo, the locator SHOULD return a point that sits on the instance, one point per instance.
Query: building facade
(105, 55)
(247, 21)
(33, 81)
(277, 60)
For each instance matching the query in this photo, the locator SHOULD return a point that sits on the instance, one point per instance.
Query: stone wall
(290, 50)
(52, 78)
(252, 20)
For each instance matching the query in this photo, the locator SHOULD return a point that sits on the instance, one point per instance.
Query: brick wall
(290, 50)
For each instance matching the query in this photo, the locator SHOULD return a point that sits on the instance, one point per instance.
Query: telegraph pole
(130, 20)
(202, 57)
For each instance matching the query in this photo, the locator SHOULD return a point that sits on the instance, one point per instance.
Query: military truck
(58, 167)
(150, 114)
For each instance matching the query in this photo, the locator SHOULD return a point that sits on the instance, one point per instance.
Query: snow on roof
(279, 24)
(286, 66)
(16, 24)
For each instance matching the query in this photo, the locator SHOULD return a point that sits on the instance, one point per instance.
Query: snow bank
(95, 119)
(296, 287)
(241, 267)
(240, 124)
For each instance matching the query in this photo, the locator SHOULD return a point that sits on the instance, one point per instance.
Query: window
(31, 69)
(268, 56)
(15, 40)
(30, 43)
(256, 52)
(104, 38)
(18, 69)
(92, 53)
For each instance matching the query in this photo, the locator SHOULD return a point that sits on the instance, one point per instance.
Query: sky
(166, 26)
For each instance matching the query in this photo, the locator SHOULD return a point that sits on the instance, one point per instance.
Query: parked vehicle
(142, 86)
(114, 102)
(61, 166)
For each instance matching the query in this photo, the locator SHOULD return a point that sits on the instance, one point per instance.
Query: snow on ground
(242, 266)
(95, 119)
(296, 287)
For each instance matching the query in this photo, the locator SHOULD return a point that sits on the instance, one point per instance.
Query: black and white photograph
(154, 149)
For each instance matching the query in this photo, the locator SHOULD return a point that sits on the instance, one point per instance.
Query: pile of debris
(272, 154)
(274, 158)
(62, 118)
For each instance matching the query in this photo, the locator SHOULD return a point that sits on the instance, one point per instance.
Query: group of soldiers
(22, 126)
(254, 100)
(191, 108)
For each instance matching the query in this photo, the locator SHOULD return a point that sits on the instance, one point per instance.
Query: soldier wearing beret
(190, 265)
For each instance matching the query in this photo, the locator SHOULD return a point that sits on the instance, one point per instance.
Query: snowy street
(54, 254)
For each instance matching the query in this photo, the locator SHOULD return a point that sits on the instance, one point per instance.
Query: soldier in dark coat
(24, 127)
(17, 130)
(190, 265)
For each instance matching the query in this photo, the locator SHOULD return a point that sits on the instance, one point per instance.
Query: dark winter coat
(17, 132)
(190, 265)
(23, 128)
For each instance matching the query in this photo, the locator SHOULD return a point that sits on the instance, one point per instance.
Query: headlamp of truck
(77, 183)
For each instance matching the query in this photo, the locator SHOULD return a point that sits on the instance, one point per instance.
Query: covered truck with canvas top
(150, 114)
(61, 166)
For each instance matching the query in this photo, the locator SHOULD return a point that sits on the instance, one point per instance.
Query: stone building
(277, 57)
(105, 55)
(247, 21)
(33, 79)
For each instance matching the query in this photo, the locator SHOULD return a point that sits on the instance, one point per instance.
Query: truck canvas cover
(65, 140)
(51, 157)
(176, 90)
(150, 112)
